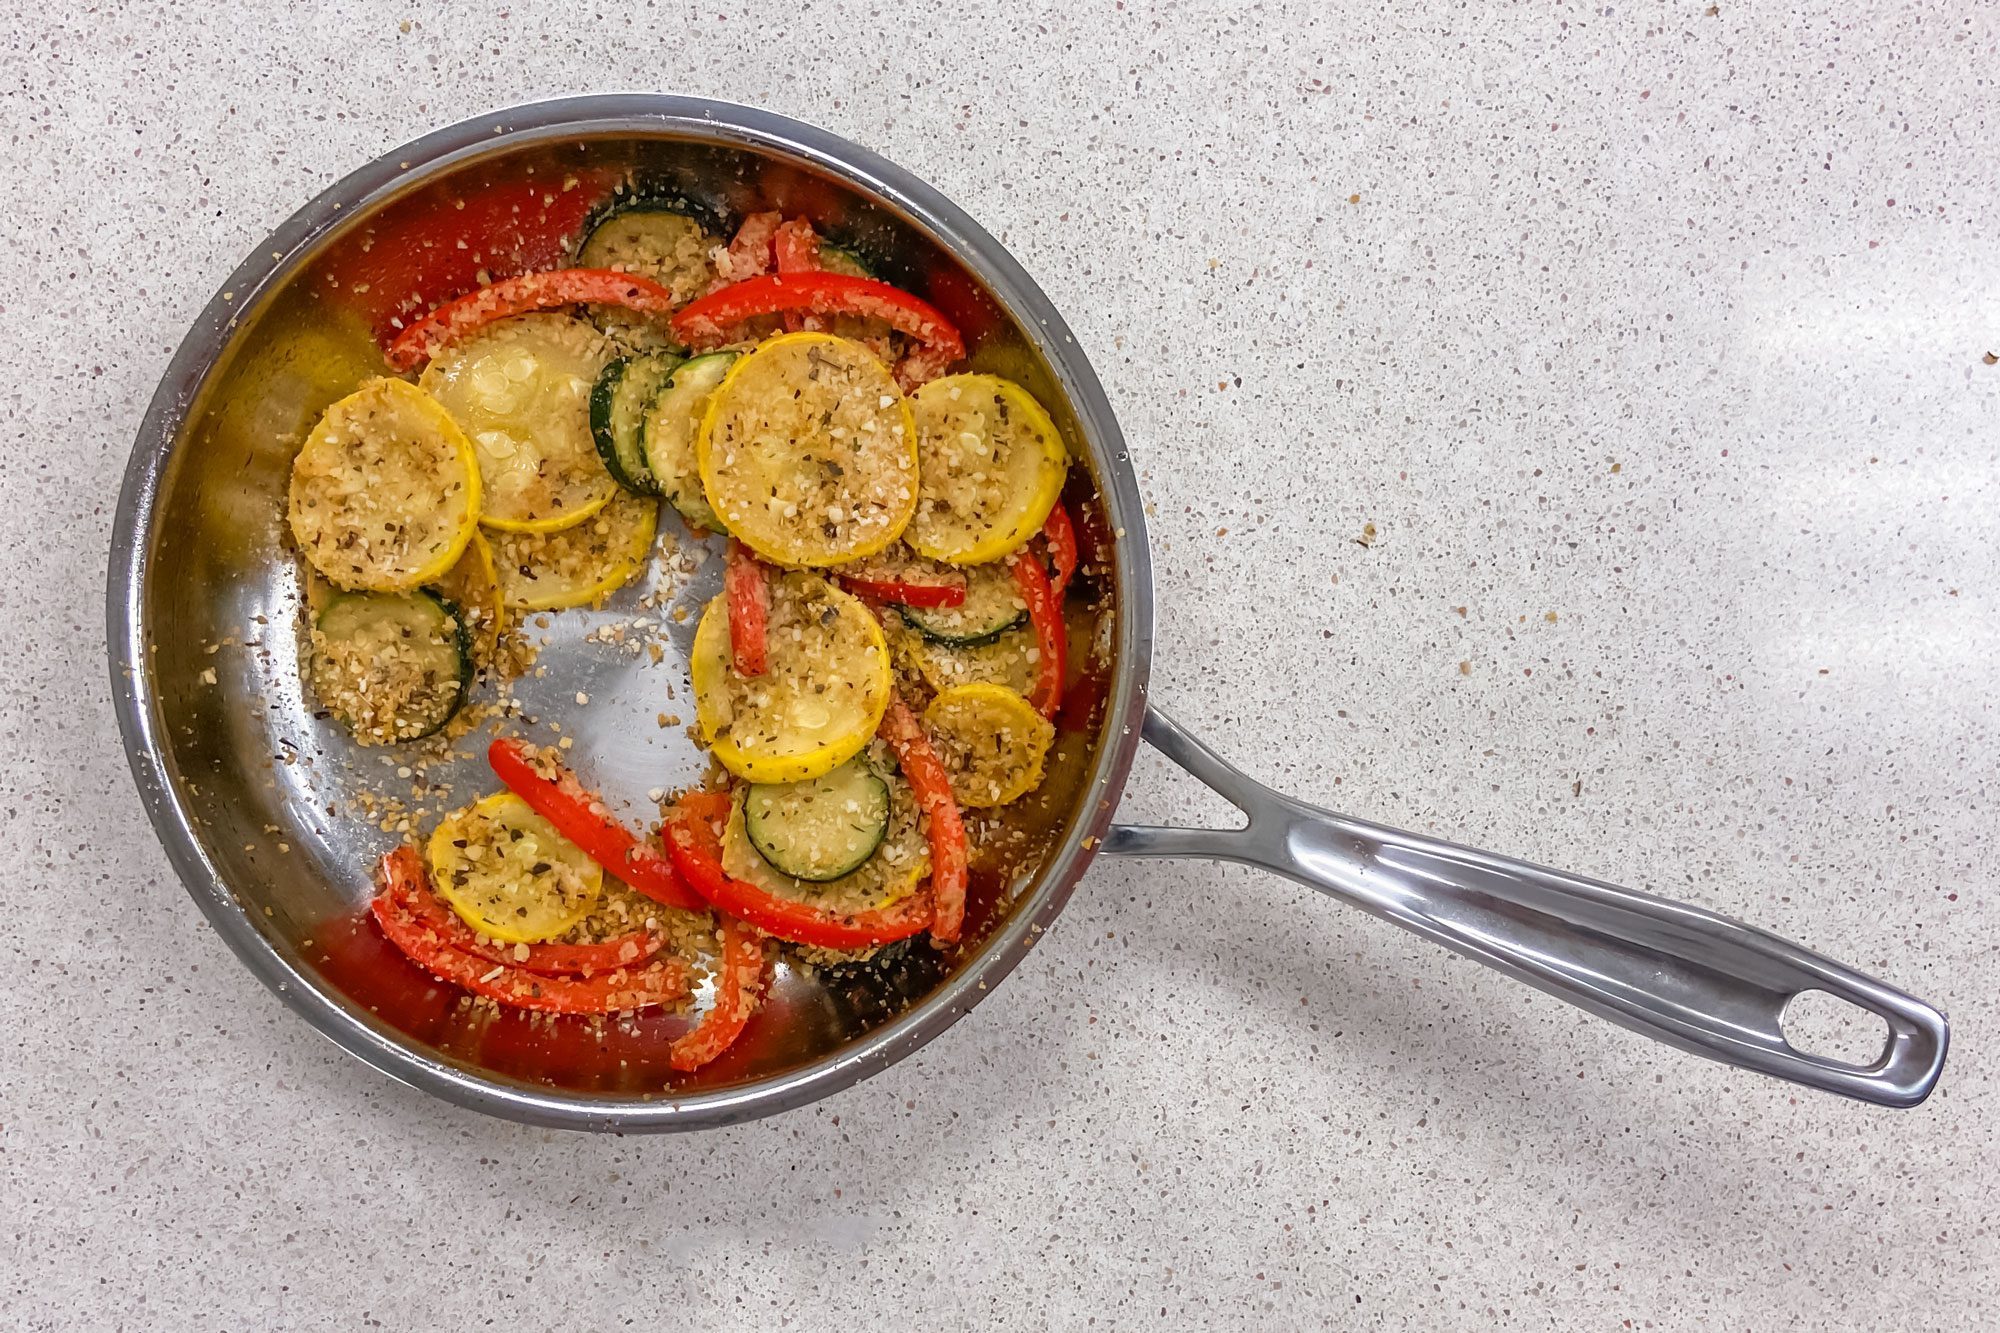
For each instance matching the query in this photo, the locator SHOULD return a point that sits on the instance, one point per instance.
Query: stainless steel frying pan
(238, 776)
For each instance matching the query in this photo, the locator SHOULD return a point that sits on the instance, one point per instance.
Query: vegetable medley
(883, 667)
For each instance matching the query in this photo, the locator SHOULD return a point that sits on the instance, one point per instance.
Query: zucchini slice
(520, 390)
(391, 666)
(510, 874)
(618, 405)
(656, 240)
(993, 465)
(385, 491)
(808, 451)
(991, 741)
(822, 828)
(839, 259)
(1008, 660)
(891, 873)
(992, 606)
(546, 571)
(668, 432)
(820, 698)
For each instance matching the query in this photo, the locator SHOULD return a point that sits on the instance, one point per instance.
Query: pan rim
(294, 243)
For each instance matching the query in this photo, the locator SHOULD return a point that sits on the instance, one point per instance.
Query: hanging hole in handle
(1823, 1025)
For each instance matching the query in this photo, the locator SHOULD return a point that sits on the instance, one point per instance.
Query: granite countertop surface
(1651, 348)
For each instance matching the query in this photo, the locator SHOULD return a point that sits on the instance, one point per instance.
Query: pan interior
(286, 812)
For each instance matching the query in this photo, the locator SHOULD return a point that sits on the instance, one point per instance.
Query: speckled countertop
(1650, 340)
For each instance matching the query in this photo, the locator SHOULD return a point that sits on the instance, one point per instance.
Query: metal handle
(1680, 974)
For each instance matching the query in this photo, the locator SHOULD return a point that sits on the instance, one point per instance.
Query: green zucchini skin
(349, 616)
(992, 606)
(667, 435)
(807, 831)
(619, 402)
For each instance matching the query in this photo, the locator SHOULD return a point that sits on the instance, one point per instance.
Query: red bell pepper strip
(749, 611)
(796, 250)
(403, 873)
(1051, 635)
(738, 981)
(662, 981)
(697, 854)
(749, 252)
(1060, 538)
(905, 592)
(709, 321)
(932, 786)
(456, 320)
(582, 817)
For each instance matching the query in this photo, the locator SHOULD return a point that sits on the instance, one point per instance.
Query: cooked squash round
(823, 693)
(385, 492)
(520, 389)
(546, 571)
(808, 451)
(891, 874)
(510, 874)
(991, 741)
(656, 241)
(473, 585)
(993, 465)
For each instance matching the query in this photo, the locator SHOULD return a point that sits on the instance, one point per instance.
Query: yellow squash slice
(993, 464)
(385, 493)
(808, 451)
(473, 585)
(992, 742)
(545, 571)
(509, 874)
(818, 702)
(891, 874)
(520, 390)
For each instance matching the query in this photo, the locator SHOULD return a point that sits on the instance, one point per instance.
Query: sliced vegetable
(822, 828)
(1051, 634)
(509, 873)
(749, 252)
(992, 606)
(385, 492)
(669, 431)
(991, 741)
(808, 451)
(946, 831)
(520, 390)
(661, 981)
(1009, 660)
(545, 571)
(618, 406)
(627, 950)
(903, 592)
(891, 871)
(580, 815)
(473, 586)
(391, 667)
(825, 684)
(713, 319)
(992, 464)
(749, 610)
(653, 240)
(1060, 539)
(455, 321)
(839, 259)
(739, 976)
(795, 248)
(694, 840)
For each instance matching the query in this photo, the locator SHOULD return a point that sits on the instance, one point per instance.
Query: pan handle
(1679, 974)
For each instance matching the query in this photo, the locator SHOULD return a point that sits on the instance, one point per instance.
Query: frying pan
(252, 796)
